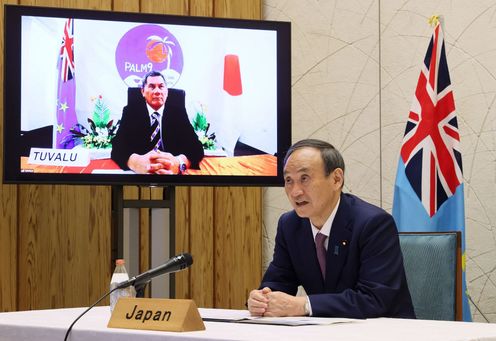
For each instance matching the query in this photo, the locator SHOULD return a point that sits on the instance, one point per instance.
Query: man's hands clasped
(265, 302)
(154, 162)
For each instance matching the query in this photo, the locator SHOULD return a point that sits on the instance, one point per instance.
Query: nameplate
(59, 157)
(175, 315)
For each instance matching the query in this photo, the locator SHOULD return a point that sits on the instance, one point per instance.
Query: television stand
(119, 204)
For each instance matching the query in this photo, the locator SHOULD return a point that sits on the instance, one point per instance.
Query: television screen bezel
(12, 101)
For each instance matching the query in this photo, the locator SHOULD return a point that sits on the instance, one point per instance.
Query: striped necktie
(155, 136)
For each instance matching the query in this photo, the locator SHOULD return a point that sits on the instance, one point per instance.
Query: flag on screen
(66, 91)
(428, 194)
(232, 75)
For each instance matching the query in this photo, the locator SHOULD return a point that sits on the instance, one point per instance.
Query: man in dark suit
(342, 250)
(173, 148)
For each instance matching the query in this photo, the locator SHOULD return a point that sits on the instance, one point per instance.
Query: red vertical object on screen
(232, 75)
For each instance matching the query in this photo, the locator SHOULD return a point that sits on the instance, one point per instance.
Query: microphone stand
(140, 289)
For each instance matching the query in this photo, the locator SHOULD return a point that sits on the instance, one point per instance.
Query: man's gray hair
(152, 73)
(331, 157)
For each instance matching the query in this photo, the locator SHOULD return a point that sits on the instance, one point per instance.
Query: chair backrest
(40, 138)
(177, 97)
(434, 275)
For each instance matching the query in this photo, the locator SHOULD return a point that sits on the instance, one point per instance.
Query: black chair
(176, 97)
(39, 138)
(434, 273)
(242, 149)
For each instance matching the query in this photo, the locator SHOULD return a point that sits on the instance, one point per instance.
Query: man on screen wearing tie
(342, 250)
(155, 136)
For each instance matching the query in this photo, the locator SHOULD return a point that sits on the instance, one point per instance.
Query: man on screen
(344, 251)
(155, 136)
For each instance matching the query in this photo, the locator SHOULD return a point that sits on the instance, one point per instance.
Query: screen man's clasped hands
(156, 162)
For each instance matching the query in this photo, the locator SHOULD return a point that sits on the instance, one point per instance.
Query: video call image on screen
(77, 75)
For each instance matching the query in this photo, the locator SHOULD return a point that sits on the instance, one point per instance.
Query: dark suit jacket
(365, 275)
(133, 136)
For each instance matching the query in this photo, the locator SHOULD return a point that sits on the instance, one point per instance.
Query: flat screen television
(69, 73)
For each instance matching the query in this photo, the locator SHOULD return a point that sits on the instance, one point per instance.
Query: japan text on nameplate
(177, 315)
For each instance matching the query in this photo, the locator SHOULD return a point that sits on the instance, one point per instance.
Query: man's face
(155, 92)
(310, 192)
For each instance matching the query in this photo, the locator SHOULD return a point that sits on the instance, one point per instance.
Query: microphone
(176, 263)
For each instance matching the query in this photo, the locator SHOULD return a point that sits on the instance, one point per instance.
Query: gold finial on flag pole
(433, 20)
(441, 22)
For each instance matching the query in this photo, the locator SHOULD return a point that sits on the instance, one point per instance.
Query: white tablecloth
(50, 325)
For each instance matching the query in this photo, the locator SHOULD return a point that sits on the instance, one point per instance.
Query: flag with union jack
(428, 194)
(66, 92)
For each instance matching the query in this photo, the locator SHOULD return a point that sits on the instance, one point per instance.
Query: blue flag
(428, 194)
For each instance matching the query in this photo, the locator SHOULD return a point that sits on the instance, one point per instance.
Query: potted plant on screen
(101, 130)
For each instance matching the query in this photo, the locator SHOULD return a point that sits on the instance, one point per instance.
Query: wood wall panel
(145, 243)
(251, 9)
(183, 278)
(8, 245)
(81, 4)
(126, 5)
(55, 240)
(178, 7)
(201, 8)
(99, 242)
(202, 244)
(238, 245)
(64, 245)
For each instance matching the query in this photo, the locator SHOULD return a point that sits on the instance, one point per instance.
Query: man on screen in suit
(359, 272)
(176, 146)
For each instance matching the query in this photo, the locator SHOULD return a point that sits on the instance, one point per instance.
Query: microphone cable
(84, 312)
